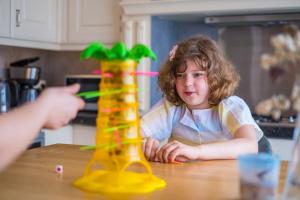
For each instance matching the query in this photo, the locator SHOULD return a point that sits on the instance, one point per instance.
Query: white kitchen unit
(91, 20)
(59, 24)
(4, 18)
(62, 135)
(84, 135)
(196, 8)
(282, 148)
(34, 20)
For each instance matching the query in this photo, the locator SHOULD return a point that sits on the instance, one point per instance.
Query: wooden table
(32, 177)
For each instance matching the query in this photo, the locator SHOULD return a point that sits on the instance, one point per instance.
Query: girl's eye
(178, 75)
(198, 74)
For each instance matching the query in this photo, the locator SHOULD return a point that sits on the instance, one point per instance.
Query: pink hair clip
(173, 52)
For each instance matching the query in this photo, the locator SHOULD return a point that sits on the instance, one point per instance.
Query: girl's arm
(156, 126)
(243, 142)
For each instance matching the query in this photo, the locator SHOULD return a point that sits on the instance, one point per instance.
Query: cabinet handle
(18, 14)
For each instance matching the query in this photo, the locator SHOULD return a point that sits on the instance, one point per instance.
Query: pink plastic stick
(145, 73)
(97, 71)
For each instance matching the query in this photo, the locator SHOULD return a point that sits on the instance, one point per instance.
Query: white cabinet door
(5, 18)
(94, 20)
(84, 135)
(62, 135)
(34, 20)
(283, 148)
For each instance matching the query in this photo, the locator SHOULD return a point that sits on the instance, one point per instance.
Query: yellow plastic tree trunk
(118, 138)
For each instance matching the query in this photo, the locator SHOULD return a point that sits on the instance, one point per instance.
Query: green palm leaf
(95, 50)
(119, 51)
(139, 51)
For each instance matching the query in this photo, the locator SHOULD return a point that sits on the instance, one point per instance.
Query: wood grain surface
(33, 177)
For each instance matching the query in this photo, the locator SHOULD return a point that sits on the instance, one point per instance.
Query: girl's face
(192, 86)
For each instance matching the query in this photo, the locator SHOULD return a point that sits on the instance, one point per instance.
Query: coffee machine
(23, 85)
(26, 76)
(9, 94)
(5, 96)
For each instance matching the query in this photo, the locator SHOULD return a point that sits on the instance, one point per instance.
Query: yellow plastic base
(128, 182)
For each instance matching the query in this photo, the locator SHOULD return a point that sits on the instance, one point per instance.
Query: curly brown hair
(221, 75)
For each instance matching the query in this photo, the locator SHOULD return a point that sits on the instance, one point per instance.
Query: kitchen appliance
(22, 85)
(9, 94)
(280, 129)
(87, 83)
(26, 76)
(4, 97)
(88, 114)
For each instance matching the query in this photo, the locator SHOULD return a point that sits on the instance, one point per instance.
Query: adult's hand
(60, 104)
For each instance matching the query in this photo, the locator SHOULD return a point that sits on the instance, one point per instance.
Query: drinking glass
(259, 174)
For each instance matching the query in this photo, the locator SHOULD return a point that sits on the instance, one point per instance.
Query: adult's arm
(53, 109)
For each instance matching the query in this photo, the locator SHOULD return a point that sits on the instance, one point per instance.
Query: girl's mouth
(188, 93)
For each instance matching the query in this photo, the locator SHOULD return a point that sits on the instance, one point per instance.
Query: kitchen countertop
(270, 129)
(32, 177)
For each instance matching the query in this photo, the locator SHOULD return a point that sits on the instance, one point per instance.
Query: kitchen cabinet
(59, 24)
(34, 20)
(62, 135)
(84, 135)
(283, 148)
(4, 18)
(91, 20)
(71, 134)
(195, 9)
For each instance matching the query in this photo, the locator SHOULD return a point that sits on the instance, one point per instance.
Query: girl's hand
(177, 151)
(150, 147)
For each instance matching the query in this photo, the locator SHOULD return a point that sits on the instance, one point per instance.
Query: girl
(199, 115)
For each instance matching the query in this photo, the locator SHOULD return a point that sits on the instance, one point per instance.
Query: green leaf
(120, 50)
(95, 50)
(139, 51)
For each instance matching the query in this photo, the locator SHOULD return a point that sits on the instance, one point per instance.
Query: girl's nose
(188, 80)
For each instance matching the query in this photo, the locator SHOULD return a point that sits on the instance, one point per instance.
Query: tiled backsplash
(54, 64)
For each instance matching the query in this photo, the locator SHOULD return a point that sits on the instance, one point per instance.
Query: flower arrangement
(285, 60)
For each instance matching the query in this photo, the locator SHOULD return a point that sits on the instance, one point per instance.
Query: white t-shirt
(218, 123)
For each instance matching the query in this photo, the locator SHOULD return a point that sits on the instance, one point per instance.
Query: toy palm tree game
(118, 138)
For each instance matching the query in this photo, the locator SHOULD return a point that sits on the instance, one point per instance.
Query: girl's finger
(148, 148)
(168, 144)
(156, 159)
(162, 149)
(144, 144)
(154, 149)
(174, 154)
(167, 152)
(181, 159)
(159, 155)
